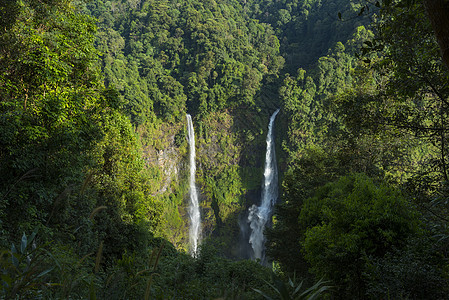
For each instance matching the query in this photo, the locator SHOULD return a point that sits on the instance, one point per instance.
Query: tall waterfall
(194, 208)
(258, 215)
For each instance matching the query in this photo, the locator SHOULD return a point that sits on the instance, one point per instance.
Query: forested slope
(204, 58)
(93, 148)
(217, 62)
(387, 122)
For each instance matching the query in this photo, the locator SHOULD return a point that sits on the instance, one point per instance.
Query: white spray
(258, 215)
(194, 208)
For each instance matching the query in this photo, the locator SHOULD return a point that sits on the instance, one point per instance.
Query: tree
(311, 170)
(349, 221)
(404, 91)
(50, 90)
(65, 148)
(438, 13)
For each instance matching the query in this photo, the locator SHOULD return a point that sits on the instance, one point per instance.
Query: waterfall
(194, 208)
(259, 215)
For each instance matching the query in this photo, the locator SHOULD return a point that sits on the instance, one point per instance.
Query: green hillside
(94, 189)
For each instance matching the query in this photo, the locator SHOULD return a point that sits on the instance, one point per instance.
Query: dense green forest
(94, 152)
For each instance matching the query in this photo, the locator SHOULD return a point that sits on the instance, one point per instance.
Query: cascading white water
(258, 215)
(194, 208)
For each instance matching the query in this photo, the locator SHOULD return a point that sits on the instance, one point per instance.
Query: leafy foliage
(63, 138)
(412, 272)
(282, 290)
(183, 56)
(308, 29)
(23, 270)
(348, 220)
(100, 169)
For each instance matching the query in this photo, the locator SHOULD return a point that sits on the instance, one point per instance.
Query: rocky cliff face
(165, 157)
(230, 151)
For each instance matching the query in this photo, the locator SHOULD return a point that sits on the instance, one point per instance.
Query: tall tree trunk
(438, 12)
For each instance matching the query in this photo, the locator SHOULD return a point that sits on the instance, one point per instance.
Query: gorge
(136, 161)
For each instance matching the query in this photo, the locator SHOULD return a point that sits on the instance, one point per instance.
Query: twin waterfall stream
(258, 215)
(194, 208)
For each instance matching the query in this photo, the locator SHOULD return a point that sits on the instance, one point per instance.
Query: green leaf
(263, 294)
(23, 244)
(290, 282)
(297, 288)
(45, 272)
(318, 292)
(32, 236)
(15, 260)
(92, 294)
(315, 290)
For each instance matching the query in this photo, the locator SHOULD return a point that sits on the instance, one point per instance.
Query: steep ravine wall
(230, 151)
(225, 176)
(165, 153)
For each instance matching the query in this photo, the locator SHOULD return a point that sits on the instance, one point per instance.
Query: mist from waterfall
(259, 215)
(194, 208)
